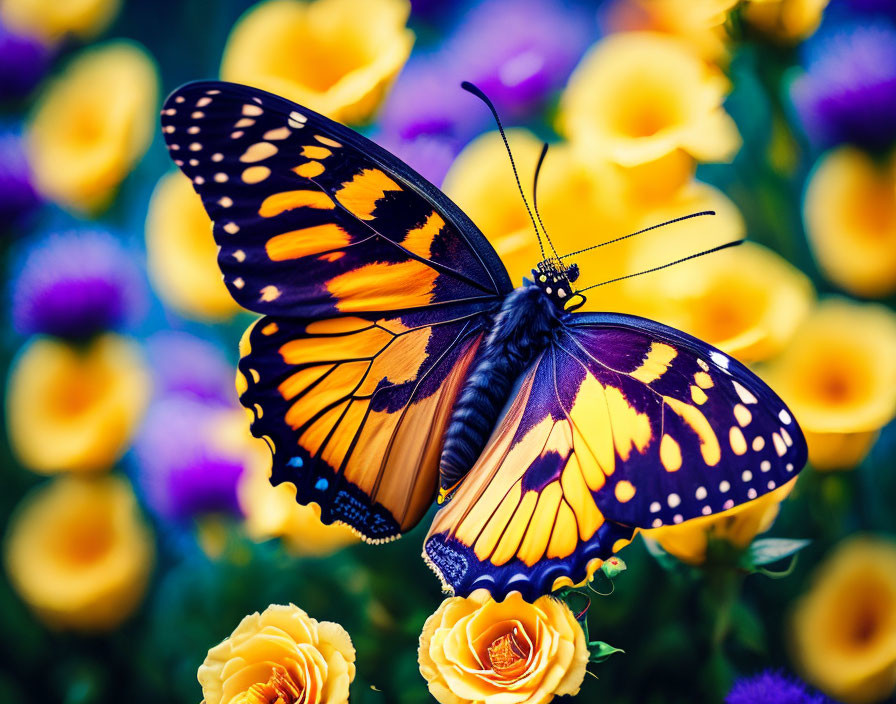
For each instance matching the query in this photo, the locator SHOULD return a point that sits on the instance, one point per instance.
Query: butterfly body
(395, 362)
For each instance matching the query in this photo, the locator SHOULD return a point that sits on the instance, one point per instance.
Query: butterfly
(395, 363)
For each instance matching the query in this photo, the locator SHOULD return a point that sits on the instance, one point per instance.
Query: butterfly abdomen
(520, 331)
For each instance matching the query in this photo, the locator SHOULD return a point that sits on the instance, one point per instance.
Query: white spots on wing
(724, 486)
(677, 518)
(199, 180)
(239, 255)
(202, 102)
(744, 393)
(174, 147)
(656, 523)
(771, 485)
(217, 157)
(728, 504)
(214, 91)
(197, 115)
(238, 282)
(179, 99)
(225, 202)
(674, 500)
(194, 162)
(737, 440)
(719, 359)
(703, 365)
(706, 510)
(758, 443)
(257, 100)
(250, 110)
(169, 129)
(700, 494)
(193, 130)
(231, 228)
(655, 507)
(743, 415)
(296, 120)
(751, 494)
(221, 177)
(765, 466)
(237, 134)
(195, 147)
(789, 467)
(178, 162)
(785, 416)
(747, 475)
(258, 152)
(269, 293)
(277, 134)
(780, 447)
(787, 439)
(245, 122)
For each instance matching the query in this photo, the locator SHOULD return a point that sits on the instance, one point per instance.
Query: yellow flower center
(279, 689)
(864, 615)
(647, 112)
(83, 538)
(508, 655)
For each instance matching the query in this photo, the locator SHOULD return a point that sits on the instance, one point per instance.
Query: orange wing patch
(360, 195)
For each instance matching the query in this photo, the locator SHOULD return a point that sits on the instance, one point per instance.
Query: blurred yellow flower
(280, 655)
(580, 204)
(93, 124)
(838, 376)
(785, 20)
(78, 552)
(181, 255)
(272, 511)
(640, 96)
(475, 649)
(701, 23)
(53, 20)
(338, 57)
(844, 627)
(850, 217)
(73, 409)
(737, 526)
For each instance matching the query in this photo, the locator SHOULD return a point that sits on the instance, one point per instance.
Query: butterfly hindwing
(621, 424)
(314, 220)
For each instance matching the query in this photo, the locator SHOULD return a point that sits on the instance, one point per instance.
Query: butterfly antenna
(544, 151)
(640, 232)
(470, 88)
(664, 266)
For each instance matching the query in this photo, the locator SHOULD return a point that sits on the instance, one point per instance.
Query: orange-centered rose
(280, 656)
(477, 650)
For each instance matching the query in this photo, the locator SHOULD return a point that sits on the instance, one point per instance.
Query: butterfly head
(555, 281)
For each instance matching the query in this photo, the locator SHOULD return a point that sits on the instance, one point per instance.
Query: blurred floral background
(139, 527)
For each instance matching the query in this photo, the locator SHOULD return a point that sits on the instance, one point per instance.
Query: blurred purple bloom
(520, 51)
(848, 92)
(773, 688)
(76, 284)
(23, 62)
(430, 156)
(17, 195)
(185, 364)
(182, 471)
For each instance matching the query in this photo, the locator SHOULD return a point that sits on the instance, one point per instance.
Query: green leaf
(664, 559)
(768, 550)
(600, 651)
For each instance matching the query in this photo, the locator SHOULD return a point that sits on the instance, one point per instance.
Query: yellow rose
(844, 627)
(280, 655)
(638, 97)
(272, 511)
(93, 124)
(838, 376)
(78, 552)
(71, 409)
(850, 217)
(52, 20)
(338, 57)
(737, 526)
(477, 650)
(181, 253)
(785, 20)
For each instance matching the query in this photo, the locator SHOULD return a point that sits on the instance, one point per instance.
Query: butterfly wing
(314, 220)
(621, 424)
(373, 286)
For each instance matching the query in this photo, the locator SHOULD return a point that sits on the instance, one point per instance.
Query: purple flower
(23, 62)
(848, 92)
(184, 463)
(188, 365)
(430, 156)
(773, 688)
(17, 195)
(520, 51)
(76, 284)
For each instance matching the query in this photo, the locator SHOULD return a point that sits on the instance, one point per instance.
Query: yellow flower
(701, 23)
(850, 217)
(71, 409)
(640, 96)
(737, 526)
(272, 511)
(338, 57)
(838, 376)
(580, 204)
(181, 255)
(844, 628)
(93, 124)
(475, 649)
(78, 552)
(52, 20)
(785, 20)
(280, 655)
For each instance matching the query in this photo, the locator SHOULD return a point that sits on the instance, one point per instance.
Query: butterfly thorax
(522, 329)
(555, 280)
